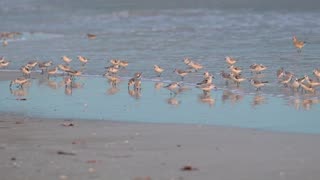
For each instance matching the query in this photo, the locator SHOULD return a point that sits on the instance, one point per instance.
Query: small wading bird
(298, 44)
(66, 59)
(181, 73)
(5, 43)
(31, 64)
(230, 61)
(25, 71)
(157, 69)
(257, 68)
(206, 88)
(83, 60)
(123, 64)
(237, 79)
(4, 64)
(173, 87)
(316, 73)
(52, 72)
(258, 84)
(44, 66)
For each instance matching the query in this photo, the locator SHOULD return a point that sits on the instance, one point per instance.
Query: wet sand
(37, 149)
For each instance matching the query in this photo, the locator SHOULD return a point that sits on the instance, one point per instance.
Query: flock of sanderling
(233, 74)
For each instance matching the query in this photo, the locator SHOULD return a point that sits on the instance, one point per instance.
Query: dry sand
(49, 149)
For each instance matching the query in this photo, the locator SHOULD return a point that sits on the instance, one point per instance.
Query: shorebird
(298, 44)
(316, 73)
(225, 76)
(83, 60)
(207, 79)
(112, 69)
(287, 80)
(19, 81)
(235, 70)
(280, 73)
(131, 82)
(206, 88)
(137, 75)
(258, 84)
(296, 83)
(73, 73)
(181, 73)
(25, 71)
(31, 64)
(187, 60)
(91, 36)
(237, 78)
(158, 70)
(44, 66)
(308, 88)
(173, 87)
(230, 61)
(4, 64)
(195, 66)
(52, 71)
(5, 43)
(66, 59)
(257, 68)
(311, 82)
(115, 61)
(64, 68)
(123, 64)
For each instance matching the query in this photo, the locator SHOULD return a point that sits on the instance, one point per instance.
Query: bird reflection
(134, 93)
(206, 99)
(257, 100)
(158, 85)
(53, 84)
(304, 103)
(112, 90)
(68, 91)
(230, 96)
(173, 101)
(20, 92)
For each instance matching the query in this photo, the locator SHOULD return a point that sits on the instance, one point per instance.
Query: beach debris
(92, 161)
(19, 122)
(67, 124)
(188, 168)
(63, 177)
(13, 158)
(91, 170)
(66, 153)
(142, 178)
(91, 36)
(78, 141)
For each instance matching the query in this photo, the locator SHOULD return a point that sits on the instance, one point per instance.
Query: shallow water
(94, 98)
(164, 32)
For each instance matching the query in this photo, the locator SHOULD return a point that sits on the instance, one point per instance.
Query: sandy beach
(36, 149)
